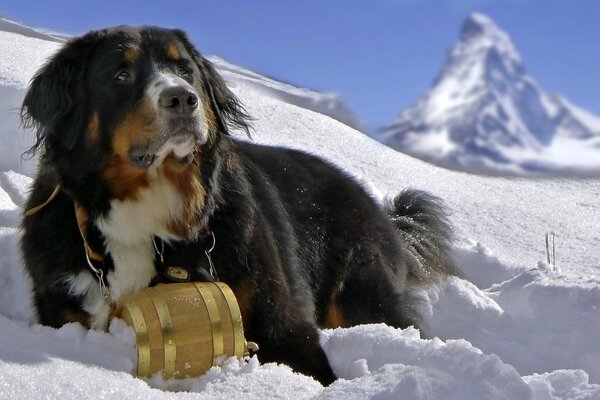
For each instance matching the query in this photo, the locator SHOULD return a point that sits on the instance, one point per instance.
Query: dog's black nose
(179, 99)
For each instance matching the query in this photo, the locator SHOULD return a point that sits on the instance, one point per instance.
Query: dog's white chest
(129, 230)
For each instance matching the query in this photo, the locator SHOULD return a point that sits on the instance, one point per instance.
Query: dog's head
(122, 103)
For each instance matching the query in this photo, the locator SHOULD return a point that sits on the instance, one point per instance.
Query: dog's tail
(426, 233)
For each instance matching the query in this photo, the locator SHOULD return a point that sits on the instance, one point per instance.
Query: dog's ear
(228, 110)
(54, 103)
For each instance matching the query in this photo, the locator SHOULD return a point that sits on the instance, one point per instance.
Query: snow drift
(513, 327)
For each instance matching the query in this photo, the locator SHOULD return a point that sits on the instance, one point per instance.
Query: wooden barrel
(184, 328)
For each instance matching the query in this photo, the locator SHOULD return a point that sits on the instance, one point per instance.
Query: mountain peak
(480, 35)
(484, 113)
(478, 25)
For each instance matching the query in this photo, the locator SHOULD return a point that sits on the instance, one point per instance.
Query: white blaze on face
(179, 145)
(161, 82)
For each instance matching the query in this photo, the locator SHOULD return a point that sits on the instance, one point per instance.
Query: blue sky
(380, 55)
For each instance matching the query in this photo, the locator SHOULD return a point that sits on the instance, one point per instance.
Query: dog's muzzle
(179, 100)
(182, 125)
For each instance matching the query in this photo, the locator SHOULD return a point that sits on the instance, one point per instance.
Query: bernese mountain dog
(138, 169)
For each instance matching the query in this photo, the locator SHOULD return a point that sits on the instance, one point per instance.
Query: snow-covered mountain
(485, 114)
(513, 327)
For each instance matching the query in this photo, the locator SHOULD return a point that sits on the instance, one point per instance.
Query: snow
(7, 25)
(512, 327)
(329, 104)
(585, 116)
(21, 57)
(496, 119)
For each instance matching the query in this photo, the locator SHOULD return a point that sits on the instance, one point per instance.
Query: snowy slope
(22, 51)
(7, 25)
(329, 104)
(514, 328)
(485, 114)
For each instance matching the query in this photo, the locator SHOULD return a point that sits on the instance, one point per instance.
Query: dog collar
(173, 273)
(179, 273)
(82, 218)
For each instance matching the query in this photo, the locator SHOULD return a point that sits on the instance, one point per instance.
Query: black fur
(301, 243)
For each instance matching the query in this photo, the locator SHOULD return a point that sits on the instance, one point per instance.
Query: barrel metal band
(168, 333)
(237, 325)
(141, 333)
(215, 319)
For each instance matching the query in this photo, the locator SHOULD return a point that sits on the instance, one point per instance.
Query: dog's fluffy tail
(426, 234)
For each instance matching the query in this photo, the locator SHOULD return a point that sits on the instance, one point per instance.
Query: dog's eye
(122, 76)
(181, 70)
(144, 160)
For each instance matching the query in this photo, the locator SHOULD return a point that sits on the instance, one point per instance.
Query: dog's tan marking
(123, 178)
(209, 116)
(131, 53)
(77, 316)
(186, 180)
(334, 317)
(173, 52)
(244, 293)
(94, 127)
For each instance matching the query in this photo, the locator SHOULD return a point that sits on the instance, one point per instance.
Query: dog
(138, 169)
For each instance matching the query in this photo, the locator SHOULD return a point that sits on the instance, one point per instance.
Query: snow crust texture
(512, 327)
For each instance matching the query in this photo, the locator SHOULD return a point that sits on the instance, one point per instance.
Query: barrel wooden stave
(195, 336)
